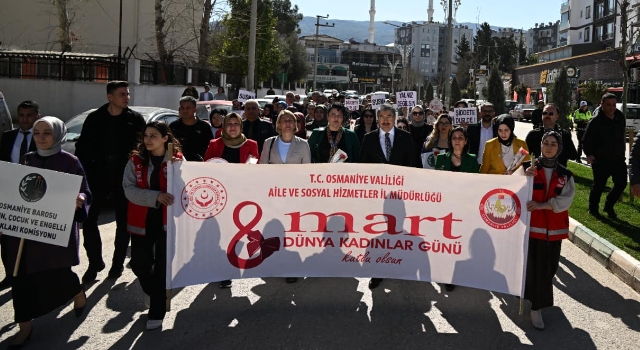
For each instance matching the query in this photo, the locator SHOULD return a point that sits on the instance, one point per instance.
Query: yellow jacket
(492, 156)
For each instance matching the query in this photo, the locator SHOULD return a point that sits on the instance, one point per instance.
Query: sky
(502, 13)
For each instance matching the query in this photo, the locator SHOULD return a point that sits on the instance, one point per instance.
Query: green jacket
(469, 163)
(350, 138)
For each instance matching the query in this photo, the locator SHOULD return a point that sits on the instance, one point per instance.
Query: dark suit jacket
(402, 151)
(8, 139)
(473, 132)
(534, 139)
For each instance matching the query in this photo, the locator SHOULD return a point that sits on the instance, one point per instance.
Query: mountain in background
(359, 30)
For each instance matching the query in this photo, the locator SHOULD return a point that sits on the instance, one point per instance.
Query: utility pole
(449, 52)
(251, 71)
(120, 45)
(315, 50)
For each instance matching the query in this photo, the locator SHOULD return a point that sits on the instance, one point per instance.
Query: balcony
(564, 7)
(563, 26)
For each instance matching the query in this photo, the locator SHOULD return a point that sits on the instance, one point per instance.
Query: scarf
(333, 143)
(59, 131)
(551, 162)
(511, 124)
(232, 142)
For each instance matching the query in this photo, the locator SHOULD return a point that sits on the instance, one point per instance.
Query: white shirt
(486, 134)
(15, 152)
(382, 143)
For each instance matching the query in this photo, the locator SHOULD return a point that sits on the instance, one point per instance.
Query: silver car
(74, 125)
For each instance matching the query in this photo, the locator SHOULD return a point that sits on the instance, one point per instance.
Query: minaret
(430, 11)
(372, 14)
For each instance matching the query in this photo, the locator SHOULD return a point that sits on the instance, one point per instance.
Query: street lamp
(405, 51)
(315, 50)
(392, 68)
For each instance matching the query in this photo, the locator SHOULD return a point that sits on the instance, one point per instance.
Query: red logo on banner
(203, 198)
(500, 208)
(256, 241)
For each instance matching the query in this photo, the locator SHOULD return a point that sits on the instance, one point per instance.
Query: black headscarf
(510, 123)
(551, 162)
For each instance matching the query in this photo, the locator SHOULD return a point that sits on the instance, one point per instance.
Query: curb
(613, 258)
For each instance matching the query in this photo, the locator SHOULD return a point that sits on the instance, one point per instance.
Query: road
(594, 310)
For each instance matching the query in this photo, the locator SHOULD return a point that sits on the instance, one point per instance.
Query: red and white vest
(546, 224)
(137, 214)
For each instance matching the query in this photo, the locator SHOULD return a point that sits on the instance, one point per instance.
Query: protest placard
(347, 220)
(37, 204)
(465, 115)
(351, 104)
(244, 96)
(407, 99)
(377, 100)
(435, 105)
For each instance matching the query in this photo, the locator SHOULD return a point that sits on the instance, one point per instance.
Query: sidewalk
(613, 258)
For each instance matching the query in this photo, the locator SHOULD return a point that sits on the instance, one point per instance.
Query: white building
(580, 21)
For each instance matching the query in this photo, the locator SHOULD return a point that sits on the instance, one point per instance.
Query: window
(587, 12)
(580, 35)
(597, 35)
(581, 14)
(609, 31)
(611, 7)
(599, 10)
(425, 50)
(587, 30)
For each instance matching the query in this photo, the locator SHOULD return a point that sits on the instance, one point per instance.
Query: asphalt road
(594, 310)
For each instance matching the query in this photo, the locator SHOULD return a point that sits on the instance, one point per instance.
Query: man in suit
(15, 144)
(254, 127)
(387, 145)
(290, 99)
(206, 95)
(482, 132)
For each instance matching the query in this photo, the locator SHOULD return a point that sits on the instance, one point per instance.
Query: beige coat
(299, 152)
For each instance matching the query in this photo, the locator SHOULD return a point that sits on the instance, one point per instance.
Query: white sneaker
(153, 324)
(147, 301)
(536, 319)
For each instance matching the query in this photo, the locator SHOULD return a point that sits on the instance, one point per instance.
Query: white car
(330, 92)
(633, 115)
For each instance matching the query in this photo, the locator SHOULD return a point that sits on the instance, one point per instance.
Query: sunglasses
(417, 113)
(444, 123)
(547, 113)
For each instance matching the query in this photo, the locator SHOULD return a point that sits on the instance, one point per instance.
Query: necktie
(249, 133)
(387, 145)
(24, 146)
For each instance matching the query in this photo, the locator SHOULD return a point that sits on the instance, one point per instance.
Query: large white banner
(37, 204)
(346, 220)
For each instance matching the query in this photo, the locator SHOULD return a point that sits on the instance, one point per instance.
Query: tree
(463, 49)
(204, 40)
(506, 51)
(495, 90)
(561, 97)
(522, 52)
(295, 62)
(455, 95)
(592, 91)
(482, 42)
(464, 61)
(233, 55)
(287, 16)
(64, 23)
(521, 89)
(428, 94)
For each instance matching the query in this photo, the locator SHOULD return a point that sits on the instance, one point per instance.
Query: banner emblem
(203, 198)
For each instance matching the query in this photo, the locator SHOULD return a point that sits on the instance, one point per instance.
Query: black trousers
(542, 263)
(601, 173)
(148, 262)
(90, 231)
(580, 134)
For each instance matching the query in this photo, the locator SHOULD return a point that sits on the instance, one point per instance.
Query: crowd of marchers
(122, 157)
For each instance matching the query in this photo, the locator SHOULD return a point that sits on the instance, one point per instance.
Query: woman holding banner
(500, 151)
(145, 186)
(553, 192)
(328, 143)
(437, 142)
(45, 280)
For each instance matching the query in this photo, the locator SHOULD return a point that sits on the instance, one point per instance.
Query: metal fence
(61, 66)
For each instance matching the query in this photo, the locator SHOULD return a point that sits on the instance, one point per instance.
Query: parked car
(509, 105)
(204, 108)
(633, 115)
(263, 101)
(5, 116)
(330, 92)
(271, 97)
(522, 112)
(74, 125)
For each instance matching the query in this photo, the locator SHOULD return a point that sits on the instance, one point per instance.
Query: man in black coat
(290, 99)
(15, 144)
(604, 145)
(108, 136)
(193, 133)
(387, 145)
(634, 170)
(254, 127)
(419, 130)
(536, 115)
(550, 116)
(482, 132)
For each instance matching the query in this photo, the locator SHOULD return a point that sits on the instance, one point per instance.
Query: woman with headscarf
(367, 124)
(215, 118)
(302, 126)
(325, 142)
(553, 192)
(500, 151)
(145, 186)
(45, 280)
(319, 118)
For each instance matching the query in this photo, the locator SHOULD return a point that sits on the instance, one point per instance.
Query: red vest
(546, 224)
(137, 214)
(216, 147)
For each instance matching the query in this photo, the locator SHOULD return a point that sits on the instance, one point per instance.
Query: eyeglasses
(417, 113)
(547, 113)
(444, 123)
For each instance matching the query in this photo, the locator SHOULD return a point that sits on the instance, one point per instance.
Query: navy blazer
(6, 145)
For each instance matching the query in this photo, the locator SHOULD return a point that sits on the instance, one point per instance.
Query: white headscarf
(59, 131)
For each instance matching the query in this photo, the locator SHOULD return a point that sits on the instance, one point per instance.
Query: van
(386, 94)
(633, 116)
(5, 116)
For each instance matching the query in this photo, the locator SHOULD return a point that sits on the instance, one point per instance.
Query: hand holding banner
(377, 100)
(465, 115)
(406, 99)
(244, 96)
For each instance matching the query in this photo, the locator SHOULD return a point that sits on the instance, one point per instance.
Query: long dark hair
(465, 149)
(163, 128)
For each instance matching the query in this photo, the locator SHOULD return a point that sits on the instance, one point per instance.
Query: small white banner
(429, 158)
(436, 106)
(351, 104)
(244, 96)
(347, 220)
(407, 99)
(377, 100)
(37, 204)
(465, 115)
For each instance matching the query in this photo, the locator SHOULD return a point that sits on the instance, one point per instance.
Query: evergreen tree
(495, 90)
(483, 42)
(428, 95)
(506, 52)
(455, 95)
(561, 97)
(522, 51)
(464, 62)
(463, 49)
